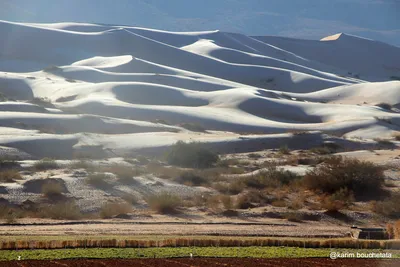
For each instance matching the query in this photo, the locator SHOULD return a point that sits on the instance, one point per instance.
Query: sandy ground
(269, 227)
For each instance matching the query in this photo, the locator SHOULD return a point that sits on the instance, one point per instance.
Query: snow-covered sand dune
(134, 88)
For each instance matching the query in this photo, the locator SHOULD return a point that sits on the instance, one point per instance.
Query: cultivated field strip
(206, 262)
(201, 242)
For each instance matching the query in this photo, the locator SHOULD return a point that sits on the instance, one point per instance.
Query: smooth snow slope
(141, 86)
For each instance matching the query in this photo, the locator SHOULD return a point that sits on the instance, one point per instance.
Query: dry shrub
(388, 207)
(111, 209)
(60, 211)
(254, 156)
(52, 189)
(361, 177)
(390, 230)
(279, 203)
(396, 230)
(130, 199)
(82, 164)
(292, 216)
(284, 150)
(45, 164)
(252, 199)
(296, 203)
(396, 136)
(165, 203)
(232, 188)
(226, 202)
(9, 176)
(97, 180)
(272, 177)
(337, 201)
(162, 171)
(124, 173)
(191, 179)
(214, 203)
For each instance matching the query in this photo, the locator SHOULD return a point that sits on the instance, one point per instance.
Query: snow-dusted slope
(140, 85)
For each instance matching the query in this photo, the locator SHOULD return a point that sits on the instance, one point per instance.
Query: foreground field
(210, 262)
(218, 252)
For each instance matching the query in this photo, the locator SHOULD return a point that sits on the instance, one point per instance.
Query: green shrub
(164, 203)
(361, 177)
(191, 155)
(45, 164)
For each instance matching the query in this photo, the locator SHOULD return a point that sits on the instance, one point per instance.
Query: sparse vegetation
(45, 164)
(191, 155)
(165, 203)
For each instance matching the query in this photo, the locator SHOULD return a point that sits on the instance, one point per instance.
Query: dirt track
(207, 262)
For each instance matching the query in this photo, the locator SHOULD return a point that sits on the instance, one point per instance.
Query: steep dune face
(367, 59)
(141, 86)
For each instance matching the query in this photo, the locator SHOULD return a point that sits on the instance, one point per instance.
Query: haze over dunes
(70, 85)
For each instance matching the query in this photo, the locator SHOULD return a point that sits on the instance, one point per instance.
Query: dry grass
(45, 164)
(9, 176)
(61, 211)
(164, 203)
